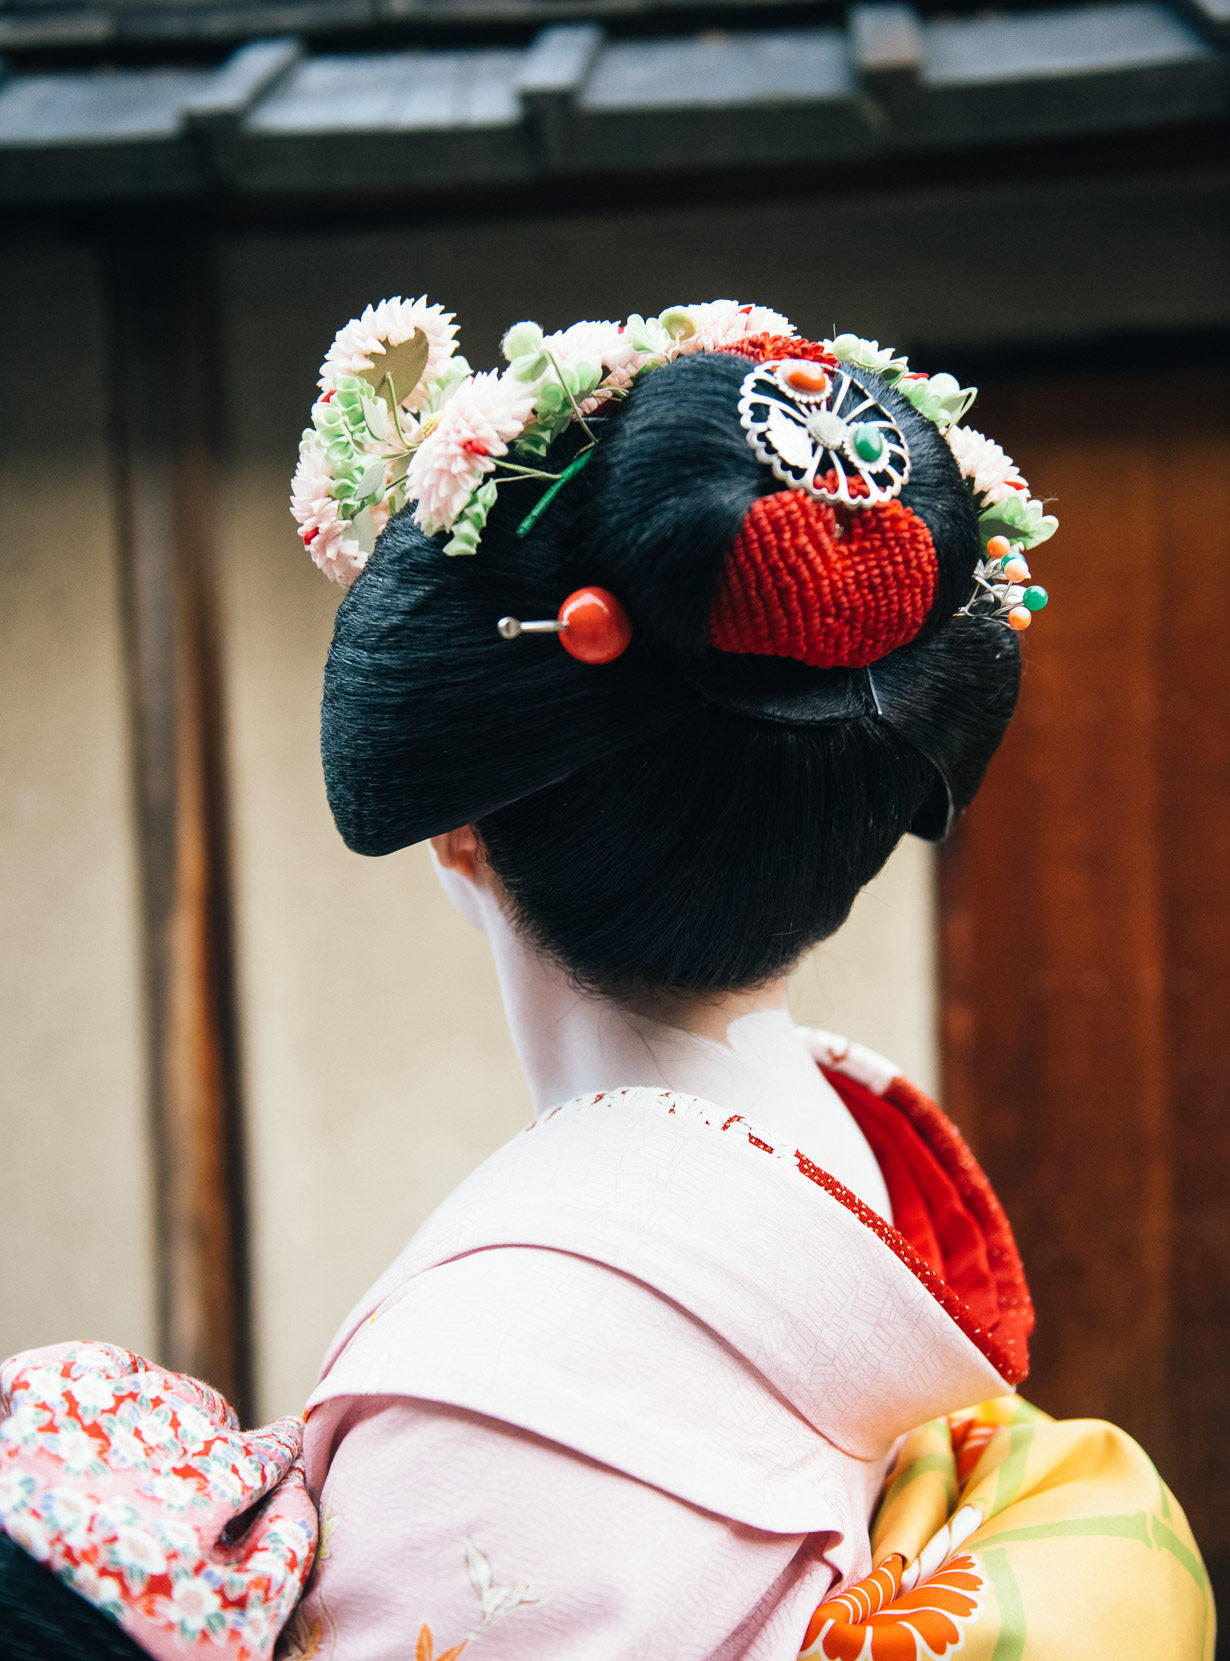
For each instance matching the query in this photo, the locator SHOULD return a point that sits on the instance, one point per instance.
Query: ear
(460, 850)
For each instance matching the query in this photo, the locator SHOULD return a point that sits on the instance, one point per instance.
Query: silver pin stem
(511, 627)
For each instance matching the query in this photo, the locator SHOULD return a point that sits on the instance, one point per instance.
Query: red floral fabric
(138, 1489)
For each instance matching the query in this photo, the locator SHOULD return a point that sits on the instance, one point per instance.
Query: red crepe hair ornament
(764, 348)
(830, 587)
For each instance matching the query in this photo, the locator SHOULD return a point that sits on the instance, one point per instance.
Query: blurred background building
(237, 1064)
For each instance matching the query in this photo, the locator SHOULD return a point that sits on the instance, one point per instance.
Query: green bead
(868, 442)
(1034, 599)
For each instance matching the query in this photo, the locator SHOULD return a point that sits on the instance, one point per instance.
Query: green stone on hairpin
(868, 442)
(999, 590)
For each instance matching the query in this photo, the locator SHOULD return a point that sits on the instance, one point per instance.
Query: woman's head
(695, 814)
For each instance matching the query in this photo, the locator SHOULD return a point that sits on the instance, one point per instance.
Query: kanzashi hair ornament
(592, 625)
(403, 422)
(820, 431)
(1001, 589)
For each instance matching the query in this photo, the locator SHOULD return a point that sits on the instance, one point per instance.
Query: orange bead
(597, 626)
(807, 377)
(1020, 618)
(1016, 570)
(999, 547)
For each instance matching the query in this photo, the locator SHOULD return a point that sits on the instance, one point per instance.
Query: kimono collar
(864, 1332)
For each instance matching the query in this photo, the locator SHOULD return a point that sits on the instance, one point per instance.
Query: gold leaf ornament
(398, 369)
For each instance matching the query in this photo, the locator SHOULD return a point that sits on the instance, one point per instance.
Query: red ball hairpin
(592, 625)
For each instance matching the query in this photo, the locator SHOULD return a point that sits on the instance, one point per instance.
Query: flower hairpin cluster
(402, 419)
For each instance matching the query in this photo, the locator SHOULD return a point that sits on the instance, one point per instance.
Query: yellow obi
(1005, 1535)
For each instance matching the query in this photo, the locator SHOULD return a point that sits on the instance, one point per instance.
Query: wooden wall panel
(1194, 552)
(164, 360)
(1086, 924)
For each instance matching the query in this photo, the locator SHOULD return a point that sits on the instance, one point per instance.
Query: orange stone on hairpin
(592, 626)
(803, 377)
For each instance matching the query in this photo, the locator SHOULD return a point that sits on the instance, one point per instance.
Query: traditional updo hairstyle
(688, 818)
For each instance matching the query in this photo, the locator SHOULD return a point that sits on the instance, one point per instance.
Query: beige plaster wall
(876, 980)
(377, 1067)
(75, 1231)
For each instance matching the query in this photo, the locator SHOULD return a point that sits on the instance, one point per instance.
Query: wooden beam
(164, 367)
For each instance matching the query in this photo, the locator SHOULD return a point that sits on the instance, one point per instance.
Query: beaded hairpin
(1001, 590)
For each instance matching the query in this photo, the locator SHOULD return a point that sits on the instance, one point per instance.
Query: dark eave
(578, 99)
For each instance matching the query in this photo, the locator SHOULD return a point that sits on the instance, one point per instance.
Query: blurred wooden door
(1086, 943)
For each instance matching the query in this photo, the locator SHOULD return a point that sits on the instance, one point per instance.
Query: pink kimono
(632, 1390)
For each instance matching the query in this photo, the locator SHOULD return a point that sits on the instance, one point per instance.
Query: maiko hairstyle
(693, 815)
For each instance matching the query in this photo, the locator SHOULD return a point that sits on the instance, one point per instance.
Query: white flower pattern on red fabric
(126, 1480)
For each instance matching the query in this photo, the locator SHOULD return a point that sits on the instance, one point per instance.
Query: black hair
(680, 819)
(42, 1619)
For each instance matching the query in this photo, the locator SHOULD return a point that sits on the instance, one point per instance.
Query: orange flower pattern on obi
(875, 1621)
(970, 1437)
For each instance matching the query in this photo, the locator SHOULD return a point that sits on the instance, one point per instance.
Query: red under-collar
(950, 1228)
